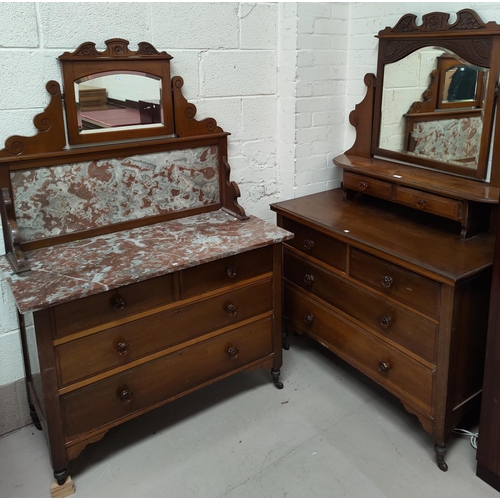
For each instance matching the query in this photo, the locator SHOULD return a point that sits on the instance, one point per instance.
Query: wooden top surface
(420, 242)
(430, 180)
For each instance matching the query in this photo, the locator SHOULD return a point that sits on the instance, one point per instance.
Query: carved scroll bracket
(184, 115)
(361, 118)
(231, 193)
(50, 124)
(12, 237)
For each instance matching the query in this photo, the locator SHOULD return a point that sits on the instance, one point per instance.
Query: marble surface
(85, 267)
(61, 199)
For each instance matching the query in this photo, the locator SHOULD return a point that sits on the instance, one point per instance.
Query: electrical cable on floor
(474, 436)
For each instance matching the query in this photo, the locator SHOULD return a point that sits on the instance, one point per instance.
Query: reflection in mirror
(432, 107)
(118, 99)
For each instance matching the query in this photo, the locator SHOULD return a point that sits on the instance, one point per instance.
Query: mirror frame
(468, 38)
(86, 60)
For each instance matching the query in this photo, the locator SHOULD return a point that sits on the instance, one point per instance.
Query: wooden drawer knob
(385, 321)
(233, 352)
(387, 281)
(231, 272)
(384, 366)
(421, 203)
(118, 303)
(308, 244)
(125, 396)
(362, 185)
(308, 279)
(232, 310)
(308, 319)
(122, 348)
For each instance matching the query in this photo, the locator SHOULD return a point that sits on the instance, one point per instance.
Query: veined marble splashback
(61, 199)
(453, 141)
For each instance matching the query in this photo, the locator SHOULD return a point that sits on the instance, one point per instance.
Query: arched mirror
(433, 108)
(436, 93)
(117, 94)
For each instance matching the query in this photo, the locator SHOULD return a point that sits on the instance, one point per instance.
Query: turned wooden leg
(34, 418)
(276, 375)
(284, 341)
(440, 453)
(60, 476)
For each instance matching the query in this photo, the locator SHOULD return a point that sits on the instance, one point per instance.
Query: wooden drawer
(404, 327)
(368, 185)
(206, 277)
(134, 391)
(113, 305)
(316, 244)
(391, 368)
(413, 289)
(426, 202)
(120, 345)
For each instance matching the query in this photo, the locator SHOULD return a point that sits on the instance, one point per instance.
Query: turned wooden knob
(387, 281)
(122, 348)
(308, 244)
(126, 396)
(421, 203)
(362, 185)
(231, 271)
(118, 303)
(385, 321)
(233, 352)
(231, 309)
(384, 366)
(308, 279)
(308, 319)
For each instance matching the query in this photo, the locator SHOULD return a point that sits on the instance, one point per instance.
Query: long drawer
(388, 366)
(228, 271)
(417, 291)
(397, 323)
(113, 305)
(120, 345)
(135, 390)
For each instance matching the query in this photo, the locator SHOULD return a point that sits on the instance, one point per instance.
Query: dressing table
(392, 271)
(137, 275)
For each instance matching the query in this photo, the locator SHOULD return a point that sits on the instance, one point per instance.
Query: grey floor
(329, 433)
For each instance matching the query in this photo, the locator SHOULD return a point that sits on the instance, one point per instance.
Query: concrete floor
(329, 433)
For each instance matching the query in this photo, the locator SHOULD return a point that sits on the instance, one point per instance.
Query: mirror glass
(117, 100)
(432, 107)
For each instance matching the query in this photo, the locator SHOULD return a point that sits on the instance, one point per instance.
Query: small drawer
(368, 185)
(216, 274)
(391, 368)
(394, 281)
(117, 346)
(316, 244)
(115, 398)
(113, 305)
(396, 323)
(426, 202)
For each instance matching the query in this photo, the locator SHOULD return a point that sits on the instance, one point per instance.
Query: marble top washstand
(85, 267)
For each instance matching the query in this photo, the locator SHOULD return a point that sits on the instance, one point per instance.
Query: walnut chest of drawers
(396, 296)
